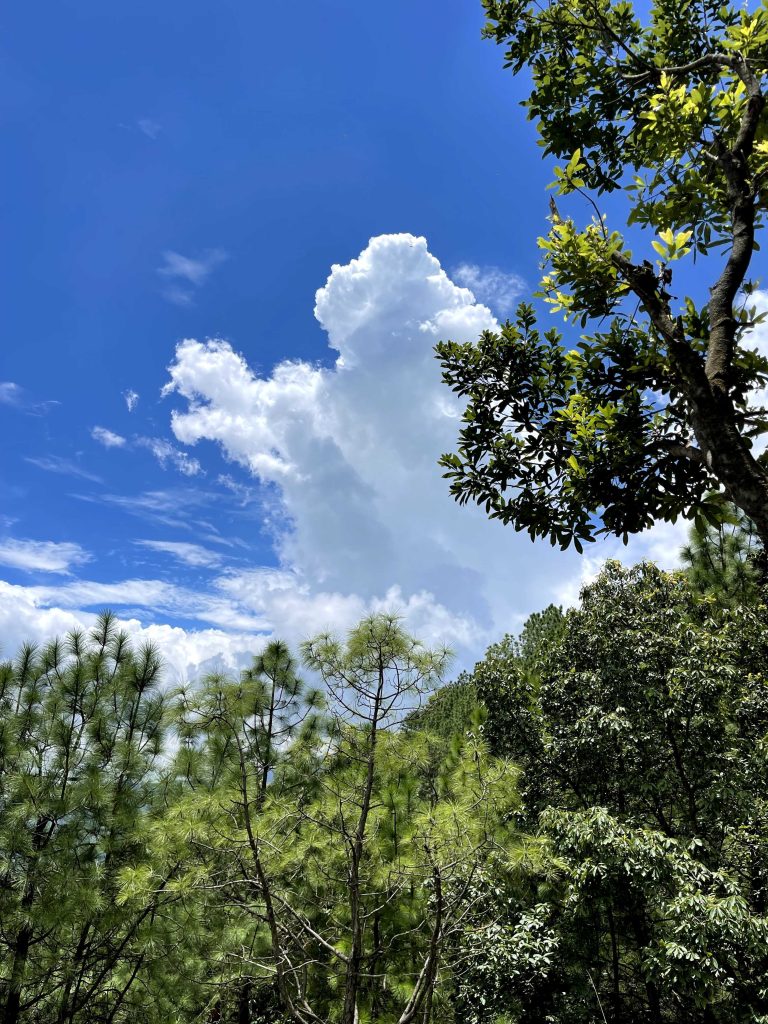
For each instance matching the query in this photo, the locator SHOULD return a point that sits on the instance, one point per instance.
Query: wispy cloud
(166, 454)
(186, 274)
(57, 464)
(10, 393)
(17, 397)
(190, 554)
(178, 508)
(131, 398)
(41, 555)
(149, 127)
(492, 286)
(108, 438)
(245, 495)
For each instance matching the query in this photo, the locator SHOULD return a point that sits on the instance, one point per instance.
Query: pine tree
(81, 739)
(722, 561)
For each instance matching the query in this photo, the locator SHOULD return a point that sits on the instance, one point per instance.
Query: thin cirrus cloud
(10, 393)
(185, 275)
(66, 467)
(193, 555)
(492, 286)
(147, 126)
(168, 455)
(42, 556)
(16, 397)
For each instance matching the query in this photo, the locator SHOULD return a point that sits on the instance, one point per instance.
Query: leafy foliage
(644, 415)
(641, 739)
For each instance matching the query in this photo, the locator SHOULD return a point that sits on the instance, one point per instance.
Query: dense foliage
(576, 831)
(641, 737)
(637, 420)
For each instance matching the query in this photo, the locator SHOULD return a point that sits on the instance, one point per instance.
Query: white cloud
(352, 451)
(186, 653)
(41, 555)
(190, 554)
(758, 339)
(166, 454)
(131, 398)
(17, 397)
(10, 393)
(237, 616)
(186, 274)
(107, 437)
(149, 127)
(57, 464)
(495, 287)
(661, 544)
(345, 464)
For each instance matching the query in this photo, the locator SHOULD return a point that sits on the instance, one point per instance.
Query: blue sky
(195, 171)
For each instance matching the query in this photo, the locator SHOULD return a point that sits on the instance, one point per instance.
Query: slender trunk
(373, 965)
(349, 1014)
(43, 831)
(66, 1012)
(244, 1003)
(124, 990)
(16, 980)
(684, 780)
(615, 968)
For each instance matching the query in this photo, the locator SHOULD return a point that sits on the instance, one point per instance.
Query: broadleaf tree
(652, 409)
(640, 731)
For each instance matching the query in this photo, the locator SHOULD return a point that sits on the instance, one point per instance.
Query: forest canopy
(576, 830)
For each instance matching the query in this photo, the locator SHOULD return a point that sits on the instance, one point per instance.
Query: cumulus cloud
(41, 555)
(186, 653)
(107, 437)
(344, 461)
(495, 287)
(661, 544)
(758, 339)
(194, 555)
(352, 451)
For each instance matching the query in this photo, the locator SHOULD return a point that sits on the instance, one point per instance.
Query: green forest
(574, 832)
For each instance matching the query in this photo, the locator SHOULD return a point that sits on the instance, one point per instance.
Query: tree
(724, 561)
(81, 743)
(235, 734)
(641, 739)
(336, 882)
(449, 712)
(642, 417)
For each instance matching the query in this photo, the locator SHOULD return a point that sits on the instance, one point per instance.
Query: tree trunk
(16, 980)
